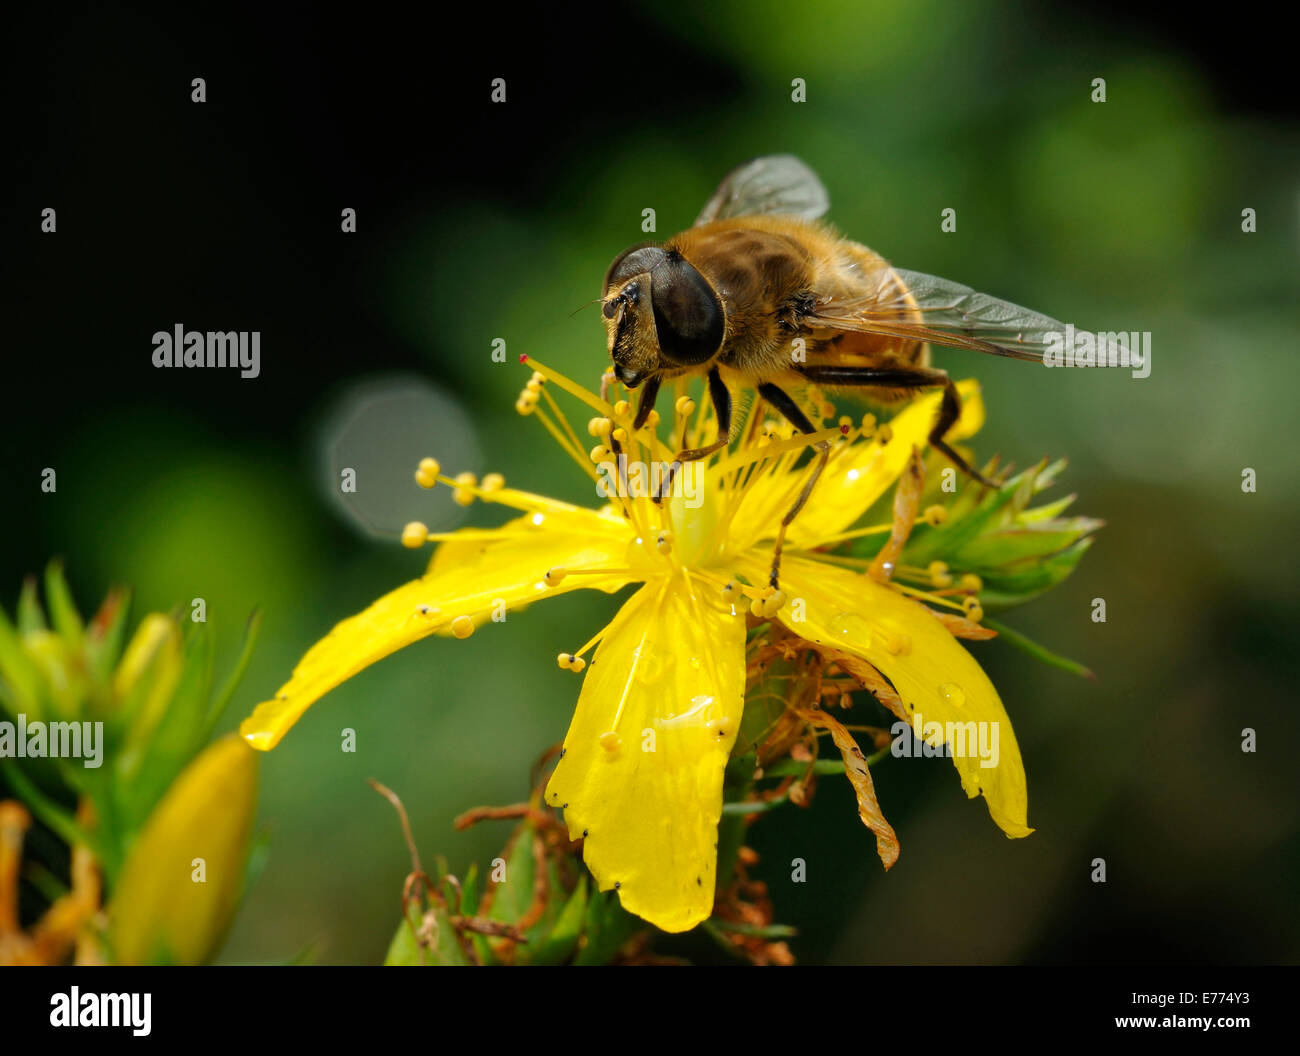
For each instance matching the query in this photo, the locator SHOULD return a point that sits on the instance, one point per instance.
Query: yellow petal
(468, 580)
(641, 773)
(935, 677)
(854, 478)
(160, 912)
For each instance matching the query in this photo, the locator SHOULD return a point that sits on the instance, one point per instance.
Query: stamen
(426, 474)
(462, 626)
(415, 535)
(466, 489)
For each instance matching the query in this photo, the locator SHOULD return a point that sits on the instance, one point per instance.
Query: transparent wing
(777, 183)
(909, 304)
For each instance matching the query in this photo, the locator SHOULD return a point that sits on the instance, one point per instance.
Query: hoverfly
(760, 294)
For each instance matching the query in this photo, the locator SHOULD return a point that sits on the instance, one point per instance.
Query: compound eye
(635, 261)
(688, 315)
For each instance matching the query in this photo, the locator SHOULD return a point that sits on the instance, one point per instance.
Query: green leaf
(22, 681)
(180, 732)
(405, 950)
(55, 817)
(63, 610)
(30, 616)
(606, 928)
(561, 939)
(222, 699)
(1037, 651)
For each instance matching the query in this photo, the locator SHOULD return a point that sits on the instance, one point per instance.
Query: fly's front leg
(721, 397)
(781, 400)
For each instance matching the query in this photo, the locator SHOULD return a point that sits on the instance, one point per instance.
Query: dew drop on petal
(898, 644)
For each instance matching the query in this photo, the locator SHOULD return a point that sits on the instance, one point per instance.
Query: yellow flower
(640, 776)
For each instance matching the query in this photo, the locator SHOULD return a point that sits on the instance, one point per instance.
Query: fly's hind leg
(721, 397)
(782, 402)
(906, 378)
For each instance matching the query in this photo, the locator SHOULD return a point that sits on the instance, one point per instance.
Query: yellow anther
(620, 435)
(599, 453)
(611, 741)
(653, 420)
(664, 541)
(732, 590)
(463, 495)
(827, 409)
(414, 534)
(974, 610)
(846, 701)
(970, 581)
(593, 426)
(936, 514)
(885, 433)
(492, 482)
(756, 607)
(538, 377)
(845, 422)
(868, 424)
(939, 576)
(684, 406)
(564, 660)
(773, 603)
(526, 403)
(622, 407)
(534, 384)
(462, 626)
(577, 665)
(555, 576)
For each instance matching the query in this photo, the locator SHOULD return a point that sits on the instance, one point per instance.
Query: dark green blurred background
(478, 221)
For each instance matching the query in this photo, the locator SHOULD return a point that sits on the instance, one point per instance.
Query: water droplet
(898, 644)
(852, 627)
(953, 694)
(649, 667)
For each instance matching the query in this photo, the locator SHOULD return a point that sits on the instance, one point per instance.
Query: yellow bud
(160, 912)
